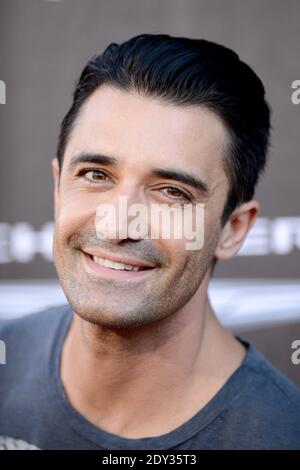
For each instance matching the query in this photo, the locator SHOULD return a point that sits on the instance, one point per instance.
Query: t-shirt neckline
(105, 440)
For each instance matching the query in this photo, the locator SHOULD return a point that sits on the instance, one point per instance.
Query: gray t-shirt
(257, 408)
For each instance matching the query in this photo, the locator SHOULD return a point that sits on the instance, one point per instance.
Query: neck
(130, 381)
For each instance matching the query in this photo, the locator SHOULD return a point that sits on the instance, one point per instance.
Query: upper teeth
(111, 264)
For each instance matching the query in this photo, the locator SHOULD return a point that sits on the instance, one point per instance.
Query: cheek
(182, 246)
(176, 254)
(76, 212)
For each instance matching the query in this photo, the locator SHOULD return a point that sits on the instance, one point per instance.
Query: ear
(236, 229)
(56, 177)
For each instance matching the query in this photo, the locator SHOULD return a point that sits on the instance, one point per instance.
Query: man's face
(140, 134)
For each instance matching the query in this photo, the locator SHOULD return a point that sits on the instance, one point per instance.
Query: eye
(93, 175)
(177, 193)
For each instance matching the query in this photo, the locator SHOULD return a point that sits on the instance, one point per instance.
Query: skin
(143, 357)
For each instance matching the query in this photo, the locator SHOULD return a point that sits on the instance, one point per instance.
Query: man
(137, 358)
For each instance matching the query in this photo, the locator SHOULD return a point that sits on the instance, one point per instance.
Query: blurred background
(44, 44)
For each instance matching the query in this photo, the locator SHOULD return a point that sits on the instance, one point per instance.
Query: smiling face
(124, 144)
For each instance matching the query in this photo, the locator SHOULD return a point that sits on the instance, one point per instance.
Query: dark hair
(188, 71)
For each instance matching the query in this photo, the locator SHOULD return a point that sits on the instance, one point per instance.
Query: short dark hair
(188, 71)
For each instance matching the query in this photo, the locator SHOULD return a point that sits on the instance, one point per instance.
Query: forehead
(144, 131)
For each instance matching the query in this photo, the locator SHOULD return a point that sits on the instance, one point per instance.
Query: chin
(110, 319)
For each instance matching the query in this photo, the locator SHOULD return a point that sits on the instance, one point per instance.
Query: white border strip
(246, 303)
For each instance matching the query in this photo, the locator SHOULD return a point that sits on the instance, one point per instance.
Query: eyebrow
(92, 158)
(181, 176)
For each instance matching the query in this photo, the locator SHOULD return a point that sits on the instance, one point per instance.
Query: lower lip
(110, 273)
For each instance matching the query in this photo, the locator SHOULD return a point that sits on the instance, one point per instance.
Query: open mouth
(105, 268)
(118, 266)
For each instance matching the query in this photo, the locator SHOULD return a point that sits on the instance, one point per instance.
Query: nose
(123, 215)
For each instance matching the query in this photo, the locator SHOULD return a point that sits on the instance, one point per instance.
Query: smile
(120, 266)
(99, 267)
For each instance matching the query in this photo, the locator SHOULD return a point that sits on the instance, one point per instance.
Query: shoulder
(24, 334)
(271, 380)
(34, 320)
(29, 343)
(267, 404)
